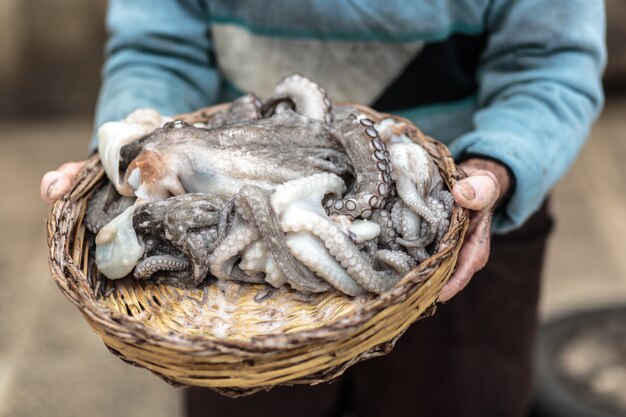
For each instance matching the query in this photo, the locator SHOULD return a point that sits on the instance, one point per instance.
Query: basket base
(227, 309)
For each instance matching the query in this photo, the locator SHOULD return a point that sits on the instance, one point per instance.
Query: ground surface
(52, 364)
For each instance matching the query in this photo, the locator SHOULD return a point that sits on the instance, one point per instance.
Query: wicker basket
(223, 336)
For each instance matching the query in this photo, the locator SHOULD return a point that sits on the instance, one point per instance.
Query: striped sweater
(518, 81)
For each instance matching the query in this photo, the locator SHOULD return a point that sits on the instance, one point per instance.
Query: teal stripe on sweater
(429, 109)
(351, 36)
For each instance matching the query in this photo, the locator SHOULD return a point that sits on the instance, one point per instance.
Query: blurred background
(52, 364)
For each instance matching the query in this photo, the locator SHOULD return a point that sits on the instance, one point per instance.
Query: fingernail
(50, 192)
(467, 190)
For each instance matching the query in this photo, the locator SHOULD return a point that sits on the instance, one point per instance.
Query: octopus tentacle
(258, 206)
(420, 254)
(153, 264)
(256, 259)
(263, 294)
(388, 235)
(342, 249)
(312, 253)
(407, 192)
(371, 165)
(237, 274)
(247, 107)
(416, 177)
(444, 210)
(409, 226)
(301, 211)
(223, 222)
(308, 190)
(223, 258)
(273, 274)
(369, 248)
(405, 221)
(308, 98)
(398, 260)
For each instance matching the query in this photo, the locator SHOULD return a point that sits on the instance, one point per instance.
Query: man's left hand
(486, 184)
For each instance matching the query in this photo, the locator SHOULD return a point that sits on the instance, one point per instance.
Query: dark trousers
(472, 358)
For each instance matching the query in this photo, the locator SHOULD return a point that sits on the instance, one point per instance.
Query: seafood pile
(288, 191)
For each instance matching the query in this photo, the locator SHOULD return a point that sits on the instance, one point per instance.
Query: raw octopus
(290, 190)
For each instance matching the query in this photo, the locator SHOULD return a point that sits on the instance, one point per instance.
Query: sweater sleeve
(539, 92)
(158, 56)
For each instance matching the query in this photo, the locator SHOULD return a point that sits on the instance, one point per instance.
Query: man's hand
(487, 183)
(56, 183)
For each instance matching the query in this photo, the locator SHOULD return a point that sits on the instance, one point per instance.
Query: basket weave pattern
(224, 336)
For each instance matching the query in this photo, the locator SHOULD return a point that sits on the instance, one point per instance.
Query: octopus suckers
(371, 132)
(366, 122)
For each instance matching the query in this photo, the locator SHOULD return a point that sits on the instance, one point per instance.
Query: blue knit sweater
(513, 80)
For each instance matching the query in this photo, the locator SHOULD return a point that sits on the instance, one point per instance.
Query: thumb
(53, 185)
(56, 183)
(478, 191)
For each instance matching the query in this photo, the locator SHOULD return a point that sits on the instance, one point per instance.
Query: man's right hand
(56, 183)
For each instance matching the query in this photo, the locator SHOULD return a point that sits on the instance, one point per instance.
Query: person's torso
(415, 58)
